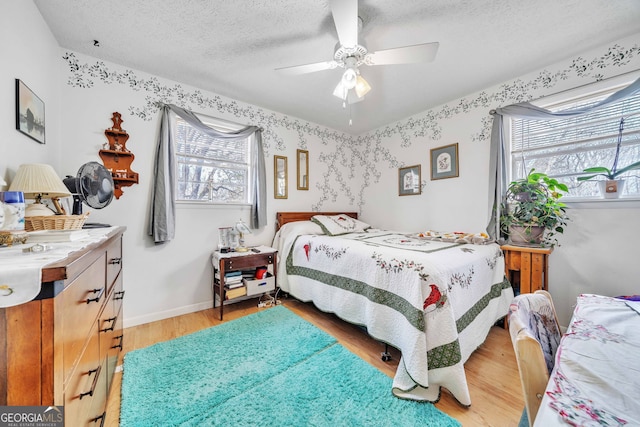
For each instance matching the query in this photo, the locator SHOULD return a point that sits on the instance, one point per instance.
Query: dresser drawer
(114, 352)
(82, 300)
(114, 262)
(118, 294)
(85, 393)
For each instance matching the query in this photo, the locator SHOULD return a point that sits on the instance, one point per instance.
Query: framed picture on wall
(29, 113)
(444, 162)
(409, 181)
(280, 178)
(302, 169)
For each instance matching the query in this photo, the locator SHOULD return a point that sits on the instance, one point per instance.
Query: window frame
(222, 126)
(566, 97)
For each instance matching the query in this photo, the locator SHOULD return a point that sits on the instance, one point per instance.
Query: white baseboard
(152, 317)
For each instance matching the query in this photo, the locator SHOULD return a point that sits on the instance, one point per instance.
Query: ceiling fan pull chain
(350, 120)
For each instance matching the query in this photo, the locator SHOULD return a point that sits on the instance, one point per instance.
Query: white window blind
(563, 148)
(212, 170)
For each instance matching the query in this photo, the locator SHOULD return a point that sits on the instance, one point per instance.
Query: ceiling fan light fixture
(341, 91)
(349, 54)
(362, 86)
(349, 78)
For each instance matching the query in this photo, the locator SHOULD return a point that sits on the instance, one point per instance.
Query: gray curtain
(162, 212)
(498, 161)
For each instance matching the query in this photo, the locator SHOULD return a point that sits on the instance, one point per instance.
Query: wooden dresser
(62, 348)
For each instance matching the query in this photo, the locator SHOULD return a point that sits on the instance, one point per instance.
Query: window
(563, 148)
(210, 170)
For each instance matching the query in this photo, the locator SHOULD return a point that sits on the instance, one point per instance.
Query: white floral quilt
(435, 301)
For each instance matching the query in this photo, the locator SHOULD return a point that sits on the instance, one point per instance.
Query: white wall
(597, 252)
(30, 53)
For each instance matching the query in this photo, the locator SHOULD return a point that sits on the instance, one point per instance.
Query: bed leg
(385, 355)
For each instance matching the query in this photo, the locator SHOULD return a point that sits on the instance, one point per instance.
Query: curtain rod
(493, 111)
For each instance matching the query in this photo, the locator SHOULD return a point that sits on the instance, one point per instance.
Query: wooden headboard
(284, 217)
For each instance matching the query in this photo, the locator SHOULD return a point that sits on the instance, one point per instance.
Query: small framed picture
(302, 169)
(280, 178)
(29, 113)
(409, 181)
(444, 162)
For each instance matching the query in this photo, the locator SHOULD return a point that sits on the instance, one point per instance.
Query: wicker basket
(54, 222)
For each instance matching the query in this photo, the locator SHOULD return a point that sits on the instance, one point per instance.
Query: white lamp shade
(349, 78)
(242, 228)
(38, 180)
(362, 87)
(2, 182)
(340, 91)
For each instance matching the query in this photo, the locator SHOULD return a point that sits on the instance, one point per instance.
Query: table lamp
(37, 181)
(242, 229)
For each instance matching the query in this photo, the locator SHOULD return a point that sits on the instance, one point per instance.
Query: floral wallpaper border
(366, 153)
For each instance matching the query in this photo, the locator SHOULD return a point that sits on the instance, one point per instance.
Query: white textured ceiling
(233, 47)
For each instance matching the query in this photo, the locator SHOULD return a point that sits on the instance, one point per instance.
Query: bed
(434, 298)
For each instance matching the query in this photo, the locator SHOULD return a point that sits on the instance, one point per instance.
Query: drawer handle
(113, 323)
(116, 260)
(96, 299)
(119, 337)
(101, 418)
(118, 295)
(94, 383)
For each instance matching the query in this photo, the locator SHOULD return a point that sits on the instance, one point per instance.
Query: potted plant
(533, 213)
(611, 186)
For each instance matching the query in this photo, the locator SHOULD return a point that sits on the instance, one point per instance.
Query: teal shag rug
(271, 368)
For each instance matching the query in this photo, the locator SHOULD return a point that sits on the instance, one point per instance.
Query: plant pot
(611, 189)
(531, 235)
(524, 197)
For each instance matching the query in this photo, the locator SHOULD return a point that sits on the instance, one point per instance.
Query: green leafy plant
(614, 172)
(534, 201)
(610, 174)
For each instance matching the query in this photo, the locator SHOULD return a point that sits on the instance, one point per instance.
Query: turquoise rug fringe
(269, 368)
(524, 419)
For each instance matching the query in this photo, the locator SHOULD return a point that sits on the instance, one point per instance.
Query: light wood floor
(492, 372)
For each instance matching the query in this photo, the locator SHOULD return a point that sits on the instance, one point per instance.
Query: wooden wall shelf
(117, 158)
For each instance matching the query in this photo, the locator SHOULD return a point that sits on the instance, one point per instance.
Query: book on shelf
(235, 292)
(234, 285)
(232, 281)
(232, 275)
(249, 274)
(53, 236)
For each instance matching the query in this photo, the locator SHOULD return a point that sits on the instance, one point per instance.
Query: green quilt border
(438, 357)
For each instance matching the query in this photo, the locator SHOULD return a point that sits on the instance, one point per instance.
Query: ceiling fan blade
(345, 16)
(424, 52)
(308, 68)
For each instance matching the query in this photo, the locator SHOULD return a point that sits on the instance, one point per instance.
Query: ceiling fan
(349, 54)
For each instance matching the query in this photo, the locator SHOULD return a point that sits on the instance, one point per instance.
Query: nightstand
(224, 263)
(527, 268)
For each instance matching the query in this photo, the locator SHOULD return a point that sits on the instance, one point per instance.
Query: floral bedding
(433, 300)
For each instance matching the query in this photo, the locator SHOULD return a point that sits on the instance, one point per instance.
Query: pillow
(456, 237)
(296, 228)
(339, 224)
(301, 227)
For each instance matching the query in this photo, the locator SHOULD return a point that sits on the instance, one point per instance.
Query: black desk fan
(93, 186)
